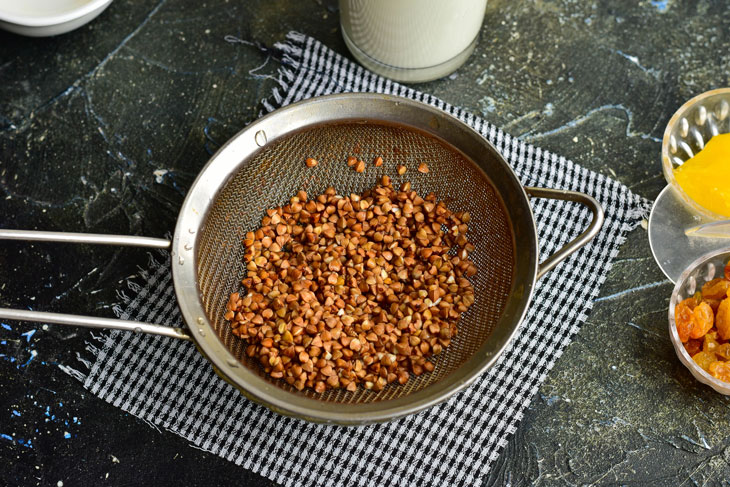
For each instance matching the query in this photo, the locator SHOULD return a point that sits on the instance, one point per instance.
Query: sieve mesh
(277, 172)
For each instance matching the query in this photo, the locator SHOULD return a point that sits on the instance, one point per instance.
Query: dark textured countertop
(103, 130)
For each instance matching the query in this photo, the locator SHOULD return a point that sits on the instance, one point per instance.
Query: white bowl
(705, 268)
(41, 18)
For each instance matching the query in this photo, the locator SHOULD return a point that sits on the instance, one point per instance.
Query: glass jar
(411, 40)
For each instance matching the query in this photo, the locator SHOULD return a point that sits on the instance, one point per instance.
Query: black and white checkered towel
(168, 383)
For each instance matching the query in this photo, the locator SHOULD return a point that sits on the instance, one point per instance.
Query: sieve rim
(374, 108)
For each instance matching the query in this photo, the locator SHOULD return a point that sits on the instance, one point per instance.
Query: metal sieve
(263, 166)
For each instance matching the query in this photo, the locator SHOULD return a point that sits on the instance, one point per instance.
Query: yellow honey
(706, 177)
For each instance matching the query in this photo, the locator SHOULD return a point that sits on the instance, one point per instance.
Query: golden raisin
(720, 370)
(683, 319)
(722, 319)
(704, 359)
(693, 346)
(702, 320)
(714, 304)
(709, 342)
(723, 351)
(716, 288)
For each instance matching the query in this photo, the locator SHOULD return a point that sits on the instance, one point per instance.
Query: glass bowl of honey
(691, 216)
(696, 153)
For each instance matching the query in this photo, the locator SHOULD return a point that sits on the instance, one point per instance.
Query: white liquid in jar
(411, 34)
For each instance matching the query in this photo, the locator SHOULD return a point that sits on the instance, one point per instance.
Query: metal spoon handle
(720, 229)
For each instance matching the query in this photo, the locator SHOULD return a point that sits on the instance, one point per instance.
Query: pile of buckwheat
(358, 289)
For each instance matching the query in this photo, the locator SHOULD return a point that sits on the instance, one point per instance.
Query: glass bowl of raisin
(699, 319)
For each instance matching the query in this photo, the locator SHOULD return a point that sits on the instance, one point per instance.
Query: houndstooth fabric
(169, 384)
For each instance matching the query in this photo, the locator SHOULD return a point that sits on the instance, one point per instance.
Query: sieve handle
(90, 321)
(94, 322)
(85, 238)
(580, 240)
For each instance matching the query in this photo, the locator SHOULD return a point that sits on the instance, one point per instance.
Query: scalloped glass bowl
(687, 132)
(707, 267)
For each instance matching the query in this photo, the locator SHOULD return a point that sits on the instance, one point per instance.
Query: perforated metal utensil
(263, 166)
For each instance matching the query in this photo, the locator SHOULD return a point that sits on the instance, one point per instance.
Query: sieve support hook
(593, 228)
(90, 321)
